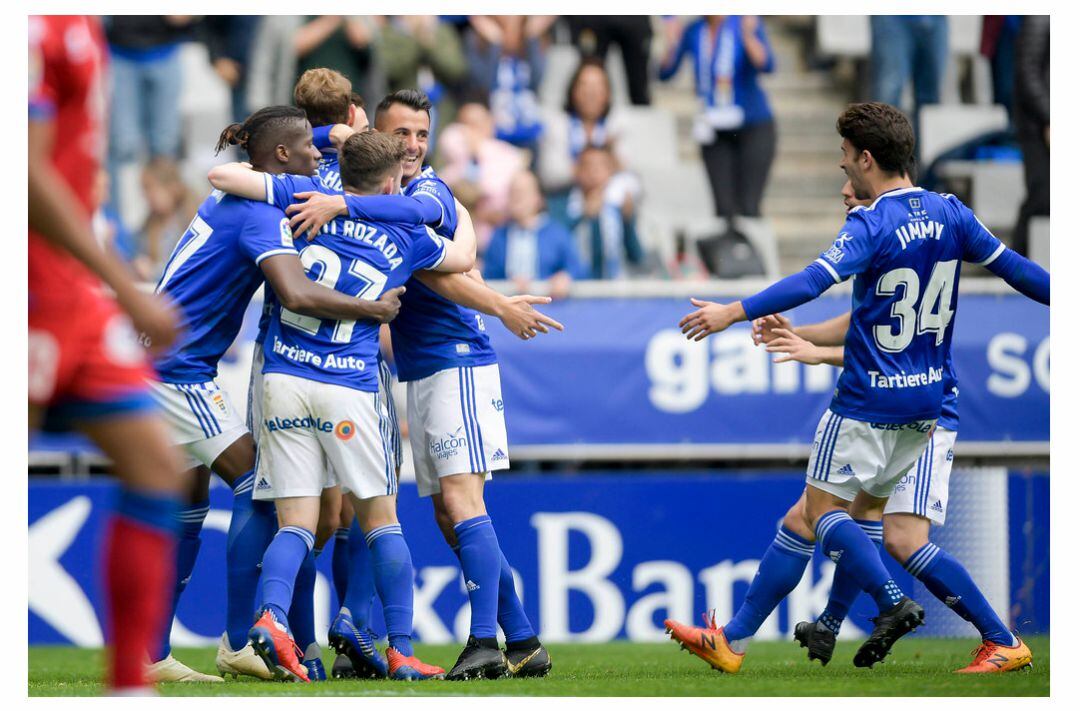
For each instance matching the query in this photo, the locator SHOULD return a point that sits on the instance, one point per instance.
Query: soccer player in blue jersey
(433, 351)
(920, 499)
(231, 245)
(321, 404)
(904, 252)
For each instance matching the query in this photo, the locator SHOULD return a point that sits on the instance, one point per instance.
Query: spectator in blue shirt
(735, 125)
(531, 245)
(506, 60)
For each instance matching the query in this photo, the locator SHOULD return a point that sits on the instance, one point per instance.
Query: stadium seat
(650, 137)
(757, 231)
(206, 109)
(680, 191)
(843, 35)
(945, 126)
(1039, 241)
(997, 190)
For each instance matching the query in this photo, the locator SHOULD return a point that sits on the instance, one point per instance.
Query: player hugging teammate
(320, 449)
(893, 411)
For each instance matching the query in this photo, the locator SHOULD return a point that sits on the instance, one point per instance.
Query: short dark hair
(585, 63)
(356, 100)
(883, 130)
(324, 96)
(263, 130)
(413, 98)
(367, 158)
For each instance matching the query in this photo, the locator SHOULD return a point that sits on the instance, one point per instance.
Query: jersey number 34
(934, 308)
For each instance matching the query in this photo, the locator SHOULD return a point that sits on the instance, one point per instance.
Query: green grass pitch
(917, 667)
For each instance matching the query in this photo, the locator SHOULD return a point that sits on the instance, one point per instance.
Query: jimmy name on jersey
(904, 252)
(211, 276)
(358, 258)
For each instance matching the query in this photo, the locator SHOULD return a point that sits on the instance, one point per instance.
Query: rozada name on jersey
(367, 234)
(329, 361)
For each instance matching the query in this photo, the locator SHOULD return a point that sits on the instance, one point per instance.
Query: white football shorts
(255, 393)
(924, 489)
(849, 455)
(309, 427)
(456, 425)
(386, 391)
(201, 417)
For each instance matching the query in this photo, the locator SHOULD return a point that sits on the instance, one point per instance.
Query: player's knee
(446, 525)
(902, 542)
(376, 512)
(463, 496)
(795, 521)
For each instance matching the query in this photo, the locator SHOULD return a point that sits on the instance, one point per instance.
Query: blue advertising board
(598, 556)
(622, 373)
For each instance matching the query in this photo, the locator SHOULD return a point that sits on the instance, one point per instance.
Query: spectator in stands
(735, 127)
(587, 119)
(228, 38)
(1032, 119)
(594, 34)
(531, 245)
(272, 70)
(170, 205)
(600, 212)
(147, 79)
(998, 45)
(506, 60)
(908, 48)
(342, 43)
(479, 167)
(412, 44)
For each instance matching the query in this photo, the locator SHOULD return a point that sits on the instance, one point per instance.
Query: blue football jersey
(432, 333)
(905, 252)
(211, 276)
(328, 172)
(358, 258)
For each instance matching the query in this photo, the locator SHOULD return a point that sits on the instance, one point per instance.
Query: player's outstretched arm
(1022, 274)
(793, 348)
(239, 179)
(515, 312)
(55, 213)
(285, 273)
(827, 333)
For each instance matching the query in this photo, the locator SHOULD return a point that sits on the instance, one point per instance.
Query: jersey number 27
(329, 269)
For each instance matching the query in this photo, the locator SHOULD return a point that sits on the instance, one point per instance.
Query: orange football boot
(275, 645)
(991, 658)
(708, 643)
(410, 668)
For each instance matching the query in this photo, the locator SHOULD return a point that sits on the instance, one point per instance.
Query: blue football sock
(949, 581)
(361, 587)
(780, 570)
(340, 564)
(282, 562)
(188, 542)
(845, 589)
(512, 618)
(251, 529)
(302, 612)
(846, 543)
(481, 562)
(392, 568)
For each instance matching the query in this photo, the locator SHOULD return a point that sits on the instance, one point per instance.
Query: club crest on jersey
(219, 400)
(345, 430)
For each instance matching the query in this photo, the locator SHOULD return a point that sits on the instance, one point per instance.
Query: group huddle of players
(346, 230)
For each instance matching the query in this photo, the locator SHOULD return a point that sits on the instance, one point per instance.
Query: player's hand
(154, 317)
(521, 319)
(708, 319)
(792, 347)
(389, 304)
(339, 133)
(317, 209)
(763, 330)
